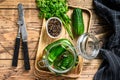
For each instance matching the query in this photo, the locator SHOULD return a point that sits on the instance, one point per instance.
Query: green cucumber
(55, 52)
(67, 61)
(58, 41)
(64, 61)
(77, 21)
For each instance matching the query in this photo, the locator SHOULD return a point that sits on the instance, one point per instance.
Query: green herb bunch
(55, 8)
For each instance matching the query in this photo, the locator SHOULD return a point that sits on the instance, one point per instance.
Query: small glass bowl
(52, 18)
(88, 46)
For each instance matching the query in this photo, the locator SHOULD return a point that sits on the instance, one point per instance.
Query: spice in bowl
(54, 27)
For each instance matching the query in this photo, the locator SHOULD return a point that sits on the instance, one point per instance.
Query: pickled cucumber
(55, 52)
(64, 61)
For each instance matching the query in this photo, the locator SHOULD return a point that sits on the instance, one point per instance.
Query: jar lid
(88, 46)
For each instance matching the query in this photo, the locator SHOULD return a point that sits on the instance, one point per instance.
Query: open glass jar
(61, 56)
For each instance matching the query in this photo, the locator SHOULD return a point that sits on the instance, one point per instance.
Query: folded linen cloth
(110, 68)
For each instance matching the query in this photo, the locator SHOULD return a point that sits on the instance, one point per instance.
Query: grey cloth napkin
(110, 68)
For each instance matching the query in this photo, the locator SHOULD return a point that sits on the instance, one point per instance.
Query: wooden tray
(45, 40)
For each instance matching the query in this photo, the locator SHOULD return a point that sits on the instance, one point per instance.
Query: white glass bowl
(52, 18)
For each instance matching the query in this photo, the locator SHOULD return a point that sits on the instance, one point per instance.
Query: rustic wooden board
(45, 40)
(8, 30)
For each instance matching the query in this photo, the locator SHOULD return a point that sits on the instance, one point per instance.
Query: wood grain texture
(10, 73)
(8, 32)
(9, 28)
(31, 3)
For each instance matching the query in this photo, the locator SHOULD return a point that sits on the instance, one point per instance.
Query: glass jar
(59, 58)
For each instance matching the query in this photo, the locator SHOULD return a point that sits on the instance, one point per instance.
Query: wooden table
(8, 32)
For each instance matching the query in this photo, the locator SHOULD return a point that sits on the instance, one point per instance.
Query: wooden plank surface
(9, 28)
(10, 73)
(8, 32)
(31, 3)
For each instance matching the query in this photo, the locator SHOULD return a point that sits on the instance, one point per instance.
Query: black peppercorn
(54, 27)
